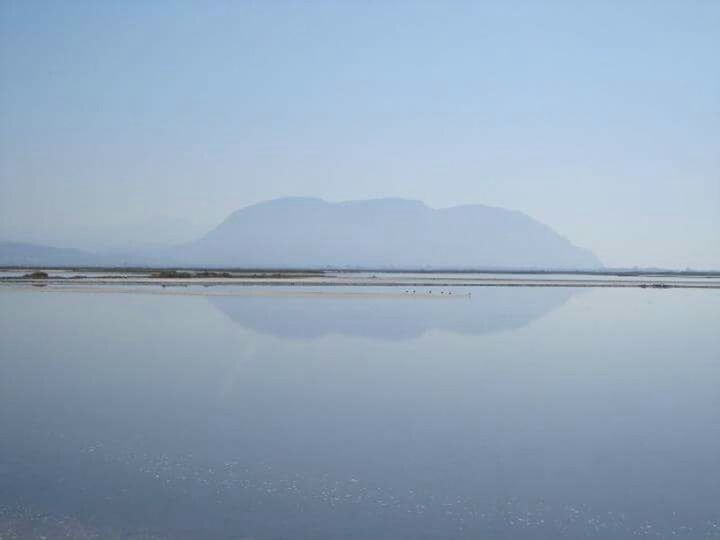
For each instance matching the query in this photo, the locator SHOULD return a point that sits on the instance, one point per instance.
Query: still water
(510, 413)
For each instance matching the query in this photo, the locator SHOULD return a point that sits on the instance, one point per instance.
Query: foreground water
(511, 413)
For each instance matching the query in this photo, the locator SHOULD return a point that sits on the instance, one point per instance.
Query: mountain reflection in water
(484, 311)
(157, 417)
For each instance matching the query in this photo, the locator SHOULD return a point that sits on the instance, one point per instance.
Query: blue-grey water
(512, 413)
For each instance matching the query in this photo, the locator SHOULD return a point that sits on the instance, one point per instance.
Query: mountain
(21, 254)
(383, 233)
(29, 254)
(312, 233)
(112, 238)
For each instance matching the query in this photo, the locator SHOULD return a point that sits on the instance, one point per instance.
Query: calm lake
(507, 413)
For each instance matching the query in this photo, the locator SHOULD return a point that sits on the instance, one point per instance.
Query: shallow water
(514, 413)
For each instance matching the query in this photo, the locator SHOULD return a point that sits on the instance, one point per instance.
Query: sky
(600, 119)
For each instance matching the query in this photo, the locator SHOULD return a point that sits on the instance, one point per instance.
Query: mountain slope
(18, 253)
(383, 233)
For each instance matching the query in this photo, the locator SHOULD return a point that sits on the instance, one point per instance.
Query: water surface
(511, 413)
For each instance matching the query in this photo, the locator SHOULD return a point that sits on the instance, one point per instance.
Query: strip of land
(406, 283)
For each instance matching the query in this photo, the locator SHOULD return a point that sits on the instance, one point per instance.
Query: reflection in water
(153, 417)
(485, 311)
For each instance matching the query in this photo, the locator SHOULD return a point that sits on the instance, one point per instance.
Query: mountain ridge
(386, 232)
(383, 233)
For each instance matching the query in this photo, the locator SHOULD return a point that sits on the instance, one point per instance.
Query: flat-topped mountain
(383, 233)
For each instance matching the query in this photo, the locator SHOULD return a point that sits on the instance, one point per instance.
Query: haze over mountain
(19, 253)
(380, 233)
(399, 233)
(103, 237)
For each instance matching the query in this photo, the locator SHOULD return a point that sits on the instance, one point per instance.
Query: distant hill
(21, 254)
(312, 233)
(383, 233)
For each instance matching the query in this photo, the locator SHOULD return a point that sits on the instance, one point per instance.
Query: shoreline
(340, 271)
(438, 284)
(436, 288)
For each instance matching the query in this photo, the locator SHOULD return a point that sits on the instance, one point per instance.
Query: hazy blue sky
(601, 119)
